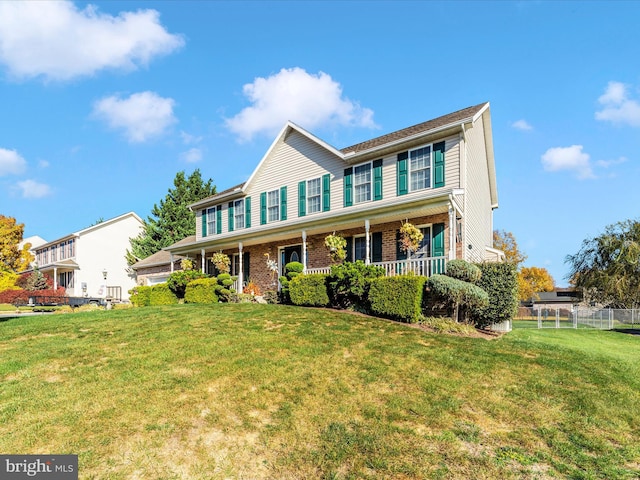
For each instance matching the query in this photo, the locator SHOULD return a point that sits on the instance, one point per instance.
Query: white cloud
(11, 162)
(57, 40)
(43, 164)
(611, 163)
(193, 155)
(522, 124)
(33, 189)
(189, 139)
(293, 94)
(568, 158)
(142, 116)
(618, 108)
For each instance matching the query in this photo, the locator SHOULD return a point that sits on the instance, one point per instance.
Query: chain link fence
(598, 318)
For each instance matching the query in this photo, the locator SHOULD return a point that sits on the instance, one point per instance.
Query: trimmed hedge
(500, 281)
(178, 281)
(202, 290)
(398, 297)
(451, 293)
(463, 270)
(309, 290)
(349, 282)
(140, 296)
(161, 294)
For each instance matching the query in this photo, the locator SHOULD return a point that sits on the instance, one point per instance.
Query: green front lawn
(274, 392)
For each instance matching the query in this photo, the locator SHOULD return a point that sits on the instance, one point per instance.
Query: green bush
(223, 288)
(458, 297)
(500, 281)
(140, 296)
(178, 281)
(463, 270)
(201, 290)
(397, 297)
(348, 284)
(161, 294)
(309, 290)
(447, 325)
(291, 271)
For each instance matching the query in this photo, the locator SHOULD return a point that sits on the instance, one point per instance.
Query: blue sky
(102, 103)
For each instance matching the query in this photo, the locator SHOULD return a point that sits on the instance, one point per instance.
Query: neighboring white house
(81, 260)
(439, 175)
(35, 241)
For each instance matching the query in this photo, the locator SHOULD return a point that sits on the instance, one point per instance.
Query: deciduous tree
(171, 220)
(607, 267)
(505, 241)
(12, 257)
(532, 280)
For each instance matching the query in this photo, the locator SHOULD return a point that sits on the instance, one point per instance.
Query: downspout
(304, 251)
(367, 258)
(171, 260)
(463, 170)
(240, 268)
(202, 265)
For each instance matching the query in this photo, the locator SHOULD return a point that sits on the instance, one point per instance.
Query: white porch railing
(419, 266)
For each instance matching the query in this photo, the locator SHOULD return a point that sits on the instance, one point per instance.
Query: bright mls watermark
(44, 467)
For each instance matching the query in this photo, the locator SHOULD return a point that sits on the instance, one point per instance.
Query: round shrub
(458, 297)
(161, 294)
(463, 270)
(140, 296)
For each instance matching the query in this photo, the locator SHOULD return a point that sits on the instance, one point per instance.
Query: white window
(72, 252)
(238, 213)
(420, 168)
(314, 195)
(273, 206)
(362, 183)
(211, 221)
(53, 254)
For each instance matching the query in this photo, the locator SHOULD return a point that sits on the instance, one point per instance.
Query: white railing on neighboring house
(420, 266)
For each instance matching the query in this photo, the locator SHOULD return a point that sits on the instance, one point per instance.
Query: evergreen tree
(171, 221)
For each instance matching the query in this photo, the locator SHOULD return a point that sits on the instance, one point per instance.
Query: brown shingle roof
(448, 119)
(163, 257)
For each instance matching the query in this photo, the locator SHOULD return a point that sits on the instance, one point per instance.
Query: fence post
(557, 318)
(610, 319)
(539, 319)
(575, 318)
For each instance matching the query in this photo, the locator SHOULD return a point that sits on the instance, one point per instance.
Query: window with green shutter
(219, 219)
(247, 212)
(230, 215)
(376, 247)
(263, 208)
(283, 203)
(204, 222)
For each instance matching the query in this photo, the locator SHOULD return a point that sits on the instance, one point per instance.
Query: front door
(290, 254)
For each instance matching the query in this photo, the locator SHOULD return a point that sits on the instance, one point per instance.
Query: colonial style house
(438, 175)
(91, 262)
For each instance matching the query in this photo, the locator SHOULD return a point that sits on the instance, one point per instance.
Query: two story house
(91, 262)
(438, 175)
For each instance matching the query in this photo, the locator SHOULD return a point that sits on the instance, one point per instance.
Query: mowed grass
(274, 392)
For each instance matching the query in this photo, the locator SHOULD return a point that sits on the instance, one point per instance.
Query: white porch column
(367, 255)
(452, 232)
(202, 260)
(55, 278)
(304, 251)
(171, 260)
(240, 268)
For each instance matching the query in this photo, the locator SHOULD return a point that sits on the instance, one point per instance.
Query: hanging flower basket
(222, 262)
(410, 238)
(336, 245)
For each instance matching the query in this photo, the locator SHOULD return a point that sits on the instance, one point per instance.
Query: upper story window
(53, 253)
(362, 183)
(71, 247)
(211, 221)
(62, 250)
(314, 191)
(238, 213)
(273, 206)
(420, 168)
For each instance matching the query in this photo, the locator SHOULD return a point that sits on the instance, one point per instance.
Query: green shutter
(326, 192)
(302, 199)
(377, 180)
(438, 165)
(230, 214)
(246, 264)
(247, 212)
(402, 187)
(437, 244)
(219, 219)
(204, 222)
(376, 247)
(263, 208)
(348, 187)
(283, 203)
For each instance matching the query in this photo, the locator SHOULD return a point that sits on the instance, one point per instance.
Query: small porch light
(104, 274)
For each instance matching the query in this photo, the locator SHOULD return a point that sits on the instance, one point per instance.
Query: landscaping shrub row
(480, 294)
